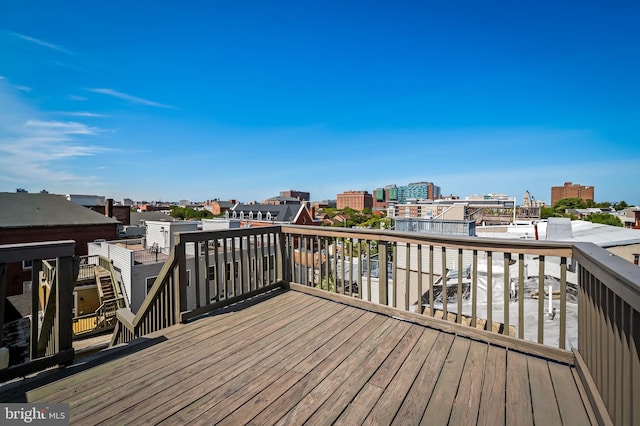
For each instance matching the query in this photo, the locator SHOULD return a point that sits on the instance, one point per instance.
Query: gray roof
(279, 213)
(19, 210)
(282, 199)
(137, 217)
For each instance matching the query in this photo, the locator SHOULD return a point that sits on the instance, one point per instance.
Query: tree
(547, 212)
(620, 205)
(604, 218)
(569, 203)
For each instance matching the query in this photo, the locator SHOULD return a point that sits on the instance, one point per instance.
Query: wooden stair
(107, 294)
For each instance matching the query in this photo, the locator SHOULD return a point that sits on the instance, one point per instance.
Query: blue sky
(210, 99)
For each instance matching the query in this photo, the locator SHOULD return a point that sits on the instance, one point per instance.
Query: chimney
(108, 207)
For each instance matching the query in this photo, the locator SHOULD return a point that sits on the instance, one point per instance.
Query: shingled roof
(20, 210)
(283, 213)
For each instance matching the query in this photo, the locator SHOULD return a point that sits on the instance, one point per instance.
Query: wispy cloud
(41, 42)
(23, 88)
(63, 127)
(40, 152)
(76, 98)
(83, 114)
(130, 98)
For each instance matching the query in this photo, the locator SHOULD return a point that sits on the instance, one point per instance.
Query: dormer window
(241, 215)
(234, 214)
(251, 215)
(268, 215)
(259, 215)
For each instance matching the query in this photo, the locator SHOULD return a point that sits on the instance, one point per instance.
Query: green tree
(569, 203)
(547, 212)
(604, 218)
(620, 205)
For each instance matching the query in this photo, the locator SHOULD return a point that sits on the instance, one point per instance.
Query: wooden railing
(399, 269)
(227, 266)
(577, 302)
(51, 343)
(609, 330)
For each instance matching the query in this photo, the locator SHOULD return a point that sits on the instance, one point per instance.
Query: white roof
(581, 231)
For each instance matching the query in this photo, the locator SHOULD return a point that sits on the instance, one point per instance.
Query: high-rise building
(357, 200)
(401, 194)
(419, 191)
(571, 190)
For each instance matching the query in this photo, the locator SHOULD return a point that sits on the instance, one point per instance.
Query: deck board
(295, 358)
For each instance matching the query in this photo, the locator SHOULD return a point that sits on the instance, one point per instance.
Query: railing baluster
(443, 281)
(459, 296)
(35, 301)
(394, 274)
(196, 264)
(351, 250)
(489, 325)
(563, 303)
(207, 265)
(540, 299)
(369, 270)
(360, 262)
(521, 296)
(419, 309)
(506, 284)
(407, 277)
(432, 311)
(474, 289)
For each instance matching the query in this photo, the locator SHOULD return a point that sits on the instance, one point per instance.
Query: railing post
(64, 303)
(383, 279)
(182, 281)
(3, 295)
(35, 301)
(282, 258)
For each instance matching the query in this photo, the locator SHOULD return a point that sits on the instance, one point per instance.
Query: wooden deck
(294, 358)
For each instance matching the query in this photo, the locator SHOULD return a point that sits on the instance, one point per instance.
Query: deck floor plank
(348, 336)
(297, 358)
(543, 398)
(211, 371)
(467, 404)
(519, 410)
(492, 403)
(443, 396)
(368, 373)
(367, 356)
(572, 409)
(310, 379)
(236, 392)
(182, 338)
(415, 403)
(164, 370)
(396, 389)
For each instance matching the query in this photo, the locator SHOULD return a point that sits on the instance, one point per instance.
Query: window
(27, 265)
(211, 276)
(149, 281)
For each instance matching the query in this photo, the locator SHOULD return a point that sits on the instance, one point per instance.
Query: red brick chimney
(108, 207)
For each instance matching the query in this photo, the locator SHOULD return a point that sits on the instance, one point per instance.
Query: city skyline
(246, 100)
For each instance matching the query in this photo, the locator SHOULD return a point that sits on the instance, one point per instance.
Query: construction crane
(529, 199)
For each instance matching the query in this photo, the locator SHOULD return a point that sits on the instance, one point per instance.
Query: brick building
(357, 200)
(571, 190)
(26, 218)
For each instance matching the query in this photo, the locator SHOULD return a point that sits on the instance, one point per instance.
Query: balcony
(300, 324)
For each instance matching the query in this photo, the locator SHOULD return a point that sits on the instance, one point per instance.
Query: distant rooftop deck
(288, 357)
